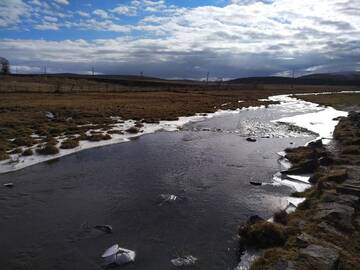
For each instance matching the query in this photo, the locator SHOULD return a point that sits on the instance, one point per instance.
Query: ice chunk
(50, 115)
(118, 256)
(167, 198)
(184, 261)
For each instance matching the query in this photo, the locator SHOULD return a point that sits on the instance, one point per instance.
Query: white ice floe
(118, 256)
(320, 122)
(295, 185)
(184, 261)
(300, 178)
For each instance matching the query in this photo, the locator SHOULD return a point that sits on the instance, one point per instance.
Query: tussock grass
(48, 150)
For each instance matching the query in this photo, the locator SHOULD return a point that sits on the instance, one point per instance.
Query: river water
(45, 218)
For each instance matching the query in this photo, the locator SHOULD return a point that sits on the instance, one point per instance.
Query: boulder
(304, 239)
(338, 214)
(349, 189)
(250, 139)
(328, 257)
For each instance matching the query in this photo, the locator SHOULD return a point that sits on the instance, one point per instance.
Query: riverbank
(324, 231)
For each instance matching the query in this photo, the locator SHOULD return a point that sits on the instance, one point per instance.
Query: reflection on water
(47, 217)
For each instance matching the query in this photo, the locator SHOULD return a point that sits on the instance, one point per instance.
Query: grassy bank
(348, 102)
(324, 231)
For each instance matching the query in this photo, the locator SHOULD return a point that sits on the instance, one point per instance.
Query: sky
(181, 38)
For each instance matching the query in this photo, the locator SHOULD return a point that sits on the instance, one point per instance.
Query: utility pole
(92, 70)
(207, 77)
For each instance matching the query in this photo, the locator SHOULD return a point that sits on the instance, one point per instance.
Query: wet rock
(251, 139)
(329, 229)
(184, 261)
(306, 166)
(104, 228)
(349, 200)
(316, 144)
(328, 257)
(8, 185)
(255, 183)
(338, 214)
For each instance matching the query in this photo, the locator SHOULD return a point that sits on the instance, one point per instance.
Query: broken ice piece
(50, 115)
(167, 198)
(184, 261)
(118, 256)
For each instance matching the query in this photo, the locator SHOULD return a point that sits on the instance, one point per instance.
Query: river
(46, 219)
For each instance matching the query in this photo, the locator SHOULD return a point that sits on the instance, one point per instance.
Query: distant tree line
(4, 66)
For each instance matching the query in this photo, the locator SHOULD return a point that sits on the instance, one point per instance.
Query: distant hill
(340, 78)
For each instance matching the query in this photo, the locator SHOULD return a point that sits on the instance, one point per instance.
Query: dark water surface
(44, 217)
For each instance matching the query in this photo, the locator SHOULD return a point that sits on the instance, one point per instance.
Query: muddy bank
(324, 231)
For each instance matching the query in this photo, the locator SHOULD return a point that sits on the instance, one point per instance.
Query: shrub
(27, 152)
(132, 130)
(47, 150)
(24, 141)
(69, 144)
(98, 137)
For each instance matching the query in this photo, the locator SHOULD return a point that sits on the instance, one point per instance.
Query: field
(350, 101)
(26, 101)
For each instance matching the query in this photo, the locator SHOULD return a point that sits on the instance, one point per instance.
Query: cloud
(101, 13)
(125, 10)
(239, 39)
(61, 2)
(47, 26)
(11, 12)
(83, 14)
